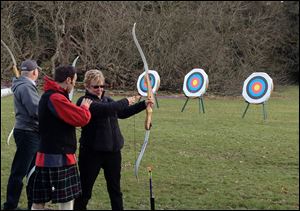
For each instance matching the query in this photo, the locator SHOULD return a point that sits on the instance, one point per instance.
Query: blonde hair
(93, 75)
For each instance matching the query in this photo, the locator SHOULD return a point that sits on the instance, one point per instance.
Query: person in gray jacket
(26, 134)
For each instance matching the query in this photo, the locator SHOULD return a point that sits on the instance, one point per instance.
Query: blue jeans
(27, 143)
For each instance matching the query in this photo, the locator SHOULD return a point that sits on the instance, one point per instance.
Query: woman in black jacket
(101, 140)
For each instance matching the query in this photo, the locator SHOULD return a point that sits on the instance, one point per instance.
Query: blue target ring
(195, 82)
(257, 87)
(143, 83)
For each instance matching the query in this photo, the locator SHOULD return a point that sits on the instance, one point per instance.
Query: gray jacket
(26, 101)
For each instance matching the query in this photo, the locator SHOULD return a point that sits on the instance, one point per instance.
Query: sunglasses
(97, 86)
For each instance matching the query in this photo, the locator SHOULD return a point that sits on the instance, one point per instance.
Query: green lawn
(215, 160)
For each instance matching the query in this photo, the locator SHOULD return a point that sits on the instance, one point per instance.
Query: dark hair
(63, 72)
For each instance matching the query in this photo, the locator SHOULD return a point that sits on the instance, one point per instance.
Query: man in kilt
(57, 178)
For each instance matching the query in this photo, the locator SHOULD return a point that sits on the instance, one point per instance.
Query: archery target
(154, 80)
(257, 88)
(195, 83)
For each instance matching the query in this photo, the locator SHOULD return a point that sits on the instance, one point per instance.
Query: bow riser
(150, 96)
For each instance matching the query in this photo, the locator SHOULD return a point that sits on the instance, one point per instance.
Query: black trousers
(27, 143)
(90, 163)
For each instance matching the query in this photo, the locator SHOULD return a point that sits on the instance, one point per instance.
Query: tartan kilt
(56, 184)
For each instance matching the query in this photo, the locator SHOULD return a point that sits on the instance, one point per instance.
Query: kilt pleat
(56, 184)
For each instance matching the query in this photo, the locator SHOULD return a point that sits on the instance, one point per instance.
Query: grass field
(215, 160)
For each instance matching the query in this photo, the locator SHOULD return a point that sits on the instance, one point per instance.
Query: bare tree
(229, 40)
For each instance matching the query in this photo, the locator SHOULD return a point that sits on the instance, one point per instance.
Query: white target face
(195, 83)
(142, 85)
(257, 88)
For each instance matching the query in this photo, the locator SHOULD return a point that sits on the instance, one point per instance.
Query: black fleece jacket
(103, 133)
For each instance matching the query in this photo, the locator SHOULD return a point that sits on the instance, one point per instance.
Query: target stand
(194, 86)
(201, 104)
(264, 110)
(142, 85)
(257, 90)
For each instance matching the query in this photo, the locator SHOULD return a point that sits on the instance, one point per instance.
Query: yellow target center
(195, 82)
(256, 87)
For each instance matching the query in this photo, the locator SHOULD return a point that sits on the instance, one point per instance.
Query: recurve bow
(149, 110)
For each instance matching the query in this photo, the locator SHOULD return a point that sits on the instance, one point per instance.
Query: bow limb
(14, 68)
(74, 65)
(75, 61)
(138, 161)
(16, 73)
(139, 49)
